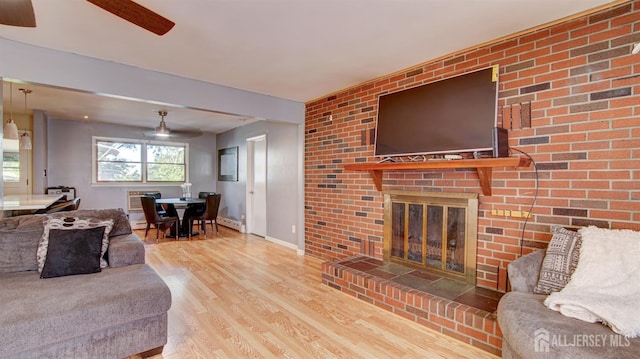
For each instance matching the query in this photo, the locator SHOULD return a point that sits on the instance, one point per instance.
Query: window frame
(144, 163)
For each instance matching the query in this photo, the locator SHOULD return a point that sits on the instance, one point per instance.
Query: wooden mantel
(483, 166)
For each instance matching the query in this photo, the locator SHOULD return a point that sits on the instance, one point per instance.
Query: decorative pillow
(68, 223)
(120, 219)
(17, 248)
(559, 262)
(73, 251)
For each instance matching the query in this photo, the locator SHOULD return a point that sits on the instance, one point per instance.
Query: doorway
(257, 185)
(16, 168)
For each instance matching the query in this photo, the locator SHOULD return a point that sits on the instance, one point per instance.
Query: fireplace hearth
(432, 230)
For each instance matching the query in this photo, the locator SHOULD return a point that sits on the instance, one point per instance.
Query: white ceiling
(293, 49)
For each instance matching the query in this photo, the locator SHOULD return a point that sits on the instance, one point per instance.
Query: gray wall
(31, 63)
(68, 156)
(282, 177)
(69, 162)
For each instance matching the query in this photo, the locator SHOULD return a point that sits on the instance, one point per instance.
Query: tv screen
(453, 115)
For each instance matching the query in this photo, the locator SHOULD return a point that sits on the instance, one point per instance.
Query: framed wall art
(228, 164)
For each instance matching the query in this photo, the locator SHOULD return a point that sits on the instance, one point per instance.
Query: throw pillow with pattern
(68, 223)
(559, 262)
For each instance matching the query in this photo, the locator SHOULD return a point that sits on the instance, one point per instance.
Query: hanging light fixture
(10, 131)
(162, 130)
(25, 139)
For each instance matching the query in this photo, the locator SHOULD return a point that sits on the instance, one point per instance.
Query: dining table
(180, 202)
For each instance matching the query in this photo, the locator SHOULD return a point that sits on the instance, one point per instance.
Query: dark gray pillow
(73, 251)
(68, 223)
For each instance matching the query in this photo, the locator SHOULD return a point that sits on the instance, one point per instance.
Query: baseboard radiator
(231, 223)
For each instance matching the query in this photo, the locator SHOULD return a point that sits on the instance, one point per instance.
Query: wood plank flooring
(240, 296)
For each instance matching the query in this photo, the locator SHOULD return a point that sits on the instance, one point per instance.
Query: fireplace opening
(432, 230)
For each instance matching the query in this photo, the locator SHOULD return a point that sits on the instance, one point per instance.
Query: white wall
(282, 177)
(69, 162)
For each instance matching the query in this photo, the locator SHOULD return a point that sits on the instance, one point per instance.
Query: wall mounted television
(453, 115)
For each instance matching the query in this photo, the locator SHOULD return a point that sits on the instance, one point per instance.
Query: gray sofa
(531, 330)
(118, 312)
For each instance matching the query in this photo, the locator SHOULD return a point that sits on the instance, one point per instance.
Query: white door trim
(250, 205)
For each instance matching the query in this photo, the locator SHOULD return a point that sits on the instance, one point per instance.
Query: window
(11, 166)
(16, 163)
(134, 161)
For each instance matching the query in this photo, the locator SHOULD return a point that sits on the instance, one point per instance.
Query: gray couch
(118, 312)
(531, 330)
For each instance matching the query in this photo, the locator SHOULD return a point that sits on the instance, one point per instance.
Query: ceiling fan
(162, 131)
(20, 13)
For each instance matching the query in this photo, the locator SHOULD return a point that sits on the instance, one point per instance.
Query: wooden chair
(210, 214)
(152, 217)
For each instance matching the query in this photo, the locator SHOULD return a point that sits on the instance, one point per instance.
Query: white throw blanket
(605, 286)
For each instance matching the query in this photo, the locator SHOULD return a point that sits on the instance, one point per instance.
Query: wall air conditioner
(133, 199)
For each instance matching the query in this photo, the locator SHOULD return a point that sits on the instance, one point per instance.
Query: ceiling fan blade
(17, 13)
(186, 133)
(136, 14)
(173, 134)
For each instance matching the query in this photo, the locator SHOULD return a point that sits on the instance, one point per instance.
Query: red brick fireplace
(583, 85)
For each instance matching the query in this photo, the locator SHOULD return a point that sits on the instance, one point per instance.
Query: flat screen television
(454, 115)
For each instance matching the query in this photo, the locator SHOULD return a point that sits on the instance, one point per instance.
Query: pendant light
(10, 131)
(25, 139)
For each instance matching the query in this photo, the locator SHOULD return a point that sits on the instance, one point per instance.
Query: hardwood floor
(237, 295)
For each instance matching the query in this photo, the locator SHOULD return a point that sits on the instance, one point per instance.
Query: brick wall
(584, 87)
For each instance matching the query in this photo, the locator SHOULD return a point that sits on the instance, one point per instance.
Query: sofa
(113, 312)
(531, 330)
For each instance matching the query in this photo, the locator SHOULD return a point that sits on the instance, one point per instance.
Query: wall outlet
(293, 228)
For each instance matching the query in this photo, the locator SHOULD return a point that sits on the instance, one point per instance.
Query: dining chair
(204, 195)
(212, 204)
(159, 208)
(152, 217)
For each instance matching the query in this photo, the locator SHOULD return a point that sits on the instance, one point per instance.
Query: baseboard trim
(281, 242)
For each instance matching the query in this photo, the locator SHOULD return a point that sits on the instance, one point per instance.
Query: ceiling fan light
(162, 130)
(10, 130)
